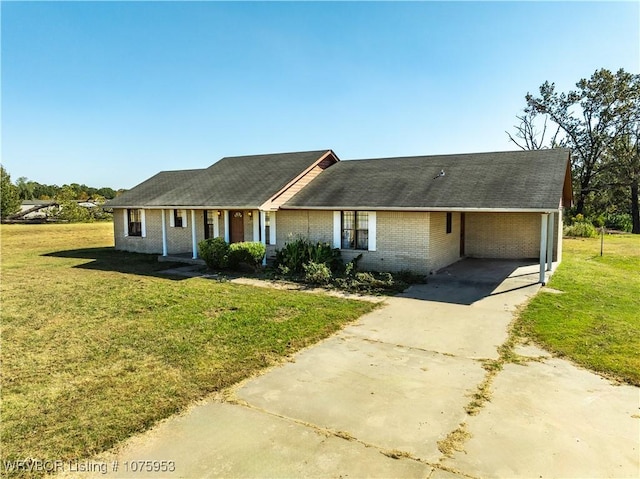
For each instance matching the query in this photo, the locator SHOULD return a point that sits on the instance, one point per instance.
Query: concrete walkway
(388, 397)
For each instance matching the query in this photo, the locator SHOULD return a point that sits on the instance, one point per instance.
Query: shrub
(316, 273)
(214, 252)
(72, 212)
(581, 229)
(295, 254)
(248, 252)
(619, 221)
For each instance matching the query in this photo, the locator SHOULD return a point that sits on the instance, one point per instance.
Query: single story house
(418, 213)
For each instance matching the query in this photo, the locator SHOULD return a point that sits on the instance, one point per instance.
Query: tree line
(68, 196)
(599, 121)
(32, 190)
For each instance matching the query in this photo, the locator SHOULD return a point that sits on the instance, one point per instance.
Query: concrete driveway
(388, 397)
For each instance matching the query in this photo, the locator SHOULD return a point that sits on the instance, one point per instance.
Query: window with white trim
(178, 219)
(355, 230)
(134, 222)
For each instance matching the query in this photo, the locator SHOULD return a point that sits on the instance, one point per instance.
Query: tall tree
(527, 135)
(623, 166)
(25, 188)
(592, 117)
(9, 199)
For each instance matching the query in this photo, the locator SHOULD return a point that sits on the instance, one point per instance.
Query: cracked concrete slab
(384, 394)
(465, 331)
(225, 440)
(553, 419)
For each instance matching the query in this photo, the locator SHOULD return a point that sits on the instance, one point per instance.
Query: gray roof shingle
(147, 191)
(518, 180)
(232, 182)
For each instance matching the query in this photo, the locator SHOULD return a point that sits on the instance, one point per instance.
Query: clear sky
(110, 93)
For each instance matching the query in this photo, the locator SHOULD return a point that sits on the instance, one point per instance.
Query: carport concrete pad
(385, 395)
(553, 419)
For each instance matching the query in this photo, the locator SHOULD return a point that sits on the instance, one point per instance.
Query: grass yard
(96, 346)
(596, 321)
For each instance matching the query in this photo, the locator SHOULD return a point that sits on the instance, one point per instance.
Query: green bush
(295, 254)
(214, 252)
(316, 273)
(247, 252)
(619, 221)
(581, 229)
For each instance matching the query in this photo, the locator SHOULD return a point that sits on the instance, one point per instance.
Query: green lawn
(596, 321)
(96, 346)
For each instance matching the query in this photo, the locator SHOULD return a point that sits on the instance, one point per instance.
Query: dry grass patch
(96, 346)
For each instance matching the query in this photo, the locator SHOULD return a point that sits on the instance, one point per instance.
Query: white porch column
(263, 232)
(543, 246)
(164, 233)
(225, 213)
(194, 245)
(550, 240)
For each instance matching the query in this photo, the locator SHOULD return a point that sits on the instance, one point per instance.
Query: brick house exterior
(416, 213)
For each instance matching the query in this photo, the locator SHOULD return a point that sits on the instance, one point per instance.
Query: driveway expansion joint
(327, 432)
(345, 336)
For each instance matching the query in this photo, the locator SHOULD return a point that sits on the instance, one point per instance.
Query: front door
(236, 226)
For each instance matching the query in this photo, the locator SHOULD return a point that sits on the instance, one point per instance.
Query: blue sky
(110, 93)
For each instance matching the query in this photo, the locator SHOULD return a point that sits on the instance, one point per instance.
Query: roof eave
(423, 209)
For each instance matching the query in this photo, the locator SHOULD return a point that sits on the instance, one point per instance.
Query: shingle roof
(241, 181)
(502, 180)
(147, 191)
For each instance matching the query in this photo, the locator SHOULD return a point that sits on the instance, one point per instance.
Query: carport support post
(164, 233)
(194, 245)
(550, 240)
(543, 246)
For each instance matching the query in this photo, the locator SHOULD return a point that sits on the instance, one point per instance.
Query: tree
(9, 199)
(592, 118)
(527, 134)
(25, 188)
(623, 164)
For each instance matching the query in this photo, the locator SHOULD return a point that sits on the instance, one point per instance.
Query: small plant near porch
(218, 254)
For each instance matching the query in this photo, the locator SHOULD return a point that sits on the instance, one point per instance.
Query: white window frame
(182, 214)
(143, 222)
(373, 230)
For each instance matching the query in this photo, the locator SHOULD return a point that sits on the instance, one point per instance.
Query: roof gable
(232, 182)
(520, 180)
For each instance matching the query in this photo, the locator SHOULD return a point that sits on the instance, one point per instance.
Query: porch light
(250, 214)
(219, 213)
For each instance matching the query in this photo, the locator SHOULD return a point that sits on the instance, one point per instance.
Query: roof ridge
(459, 154)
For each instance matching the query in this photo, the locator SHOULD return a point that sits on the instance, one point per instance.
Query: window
(177, 218)
(134, 221)
(449, 222)
(355, 230)
(210, 217)
(267, 227)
